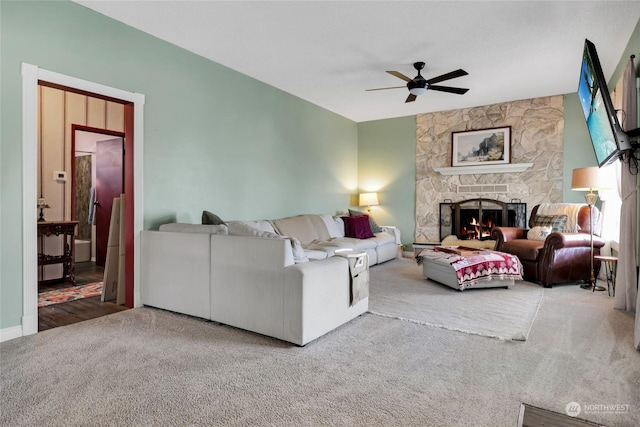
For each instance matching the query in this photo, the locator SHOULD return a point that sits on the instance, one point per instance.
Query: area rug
(399, 290)
(71, 293)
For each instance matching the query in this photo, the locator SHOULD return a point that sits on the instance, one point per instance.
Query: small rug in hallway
(398, 290)
(71, 293)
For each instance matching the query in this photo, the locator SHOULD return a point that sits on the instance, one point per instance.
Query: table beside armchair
(561, 256)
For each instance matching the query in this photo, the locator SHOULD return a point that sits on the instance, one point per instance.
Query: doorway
(133, 103)
(97, 178)
(94, 162)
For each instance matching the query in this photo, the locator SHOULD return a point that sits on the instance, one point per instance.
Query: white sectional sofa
(248, 275)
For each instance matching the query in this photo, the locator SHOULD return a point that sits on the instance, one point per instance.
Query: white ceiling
(329, 52)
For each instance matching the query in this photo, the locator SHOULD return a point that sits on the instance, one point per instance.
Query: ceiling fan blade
(451, 75)
(410, 98)
(399, 75)
(458, 90)
(385, 88)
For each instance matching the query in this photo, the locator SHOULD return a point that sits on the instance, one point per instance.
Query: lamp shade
(368, 199)
(42, 203)
(588, 179)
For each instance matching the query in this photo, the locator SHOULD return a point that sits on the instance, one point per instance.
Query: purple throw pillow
(357, 226)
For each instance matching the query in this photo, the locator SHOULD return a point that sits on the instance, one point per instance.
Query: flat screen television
(607, 137)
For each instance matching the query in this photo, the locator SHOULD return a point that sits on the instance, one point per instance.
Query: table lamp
(42, 205)
(368, 200)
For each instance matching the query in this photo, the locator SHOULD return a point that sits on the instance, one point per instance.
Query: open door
(109, 185)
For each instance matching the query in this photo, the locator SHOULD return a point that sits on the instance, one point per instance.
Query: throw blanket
(485, 266)
(569, 209)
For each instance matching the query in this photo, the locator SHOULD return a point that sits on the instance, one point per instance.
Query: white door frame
(31, 74)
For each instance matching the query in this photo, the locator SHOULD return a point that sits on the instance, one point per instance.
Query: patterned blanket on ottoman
(477, 267)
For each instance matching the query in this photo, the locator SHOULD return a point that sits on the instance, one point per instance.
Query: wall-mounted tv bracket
(634, 138)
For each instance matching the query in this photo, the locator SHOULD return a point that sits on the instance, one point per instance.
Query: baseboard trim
(10, 333)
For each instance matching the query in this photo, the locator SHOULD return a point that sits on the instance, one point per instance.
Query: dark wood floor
(67, 313)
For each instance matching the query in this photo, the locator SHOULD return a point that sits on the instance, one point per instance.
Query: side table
(56, 228)
(610, 266)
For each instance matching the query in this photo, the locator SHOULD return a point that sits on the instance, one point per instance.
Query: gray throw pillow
(211, 218)
(375, 228)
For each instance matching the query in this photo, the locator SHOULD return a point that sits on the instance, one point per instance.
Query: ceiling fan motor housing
(418, 82)
(418, 86)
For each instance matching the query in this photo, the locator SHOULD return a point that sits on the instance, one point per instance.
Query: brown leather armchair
(561, 257)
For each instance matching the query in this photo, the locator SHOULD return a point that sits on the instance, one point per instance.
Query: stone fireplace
(537, 137)
(473, 219)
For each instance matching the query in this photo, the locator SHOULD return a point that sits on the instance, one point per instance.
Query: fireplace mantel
(466, 170)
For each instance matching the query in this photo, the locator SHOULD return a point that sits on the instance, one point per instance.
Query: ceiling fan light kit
(418, 90)
(419, 85)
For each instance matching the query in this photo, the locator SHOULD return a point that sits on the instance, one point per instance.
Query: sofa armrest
(394, 231)
(316, 299)
(247, 280)
(505, 234)
(556, 240)
(174, 272)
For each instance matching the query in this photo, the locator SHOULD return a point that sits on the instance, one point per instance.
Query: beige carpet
(399, 290)
(148, 367)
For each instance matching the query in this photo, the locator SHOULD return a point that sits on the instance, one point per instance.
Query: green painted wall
(214, 139)
(387, 165)
(578, 152)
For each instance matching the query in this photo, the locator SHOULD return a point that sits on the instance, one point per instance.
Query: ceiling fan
(419, 85)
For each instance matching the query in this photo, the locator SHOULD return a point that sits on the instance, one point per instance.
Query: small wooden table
(610, 267)
(67, 229)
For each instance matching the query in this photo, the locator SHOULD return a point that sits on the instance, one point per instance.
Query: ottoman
(470, 269)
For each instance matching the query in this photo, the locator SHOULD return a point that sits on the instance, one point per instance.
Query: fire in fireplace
(473, 219)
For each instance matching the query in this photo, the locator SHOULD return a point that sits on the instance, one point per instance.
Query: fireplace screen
(473, 219)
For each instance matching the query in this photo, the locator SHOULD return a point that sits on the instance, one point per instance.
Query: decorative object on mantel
(481, 147)
(469, 170)
(368, 200)
(42, 205)
(589, 179)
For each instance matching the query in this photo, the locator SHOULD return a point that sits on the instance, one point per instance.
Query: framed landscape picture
(481, 147)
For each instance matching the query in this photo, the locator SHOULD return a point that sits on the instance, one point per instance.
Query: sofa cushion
(383, 238)
(332, 226)
(359, 244)
(240, 228)
(328, 247)
(262, 225)
(340, 223)
(316, 255)
(524, 249)
(556, 222)
(194, 228)
(305, 228)
(357, 226)
(571, 210)
(375, 228)
(538, 233)
(211, 218)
